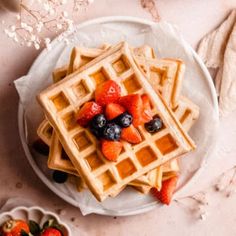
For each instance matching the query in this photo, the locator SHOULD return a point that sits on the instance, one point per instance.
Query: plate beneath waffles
(197, 85)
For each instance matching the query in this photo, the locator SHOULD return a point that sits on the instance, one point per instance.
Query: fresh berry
(131, 135)
(154, 125)
(147, 110)
(51, 232)
(14, 228)
(98, 133)
(124, 120)
(59, 176)
(113, 110)
(87, 112)
(111, 149)
(133, 104)
(98, 121)
(107, 92)
(112, 131)
(41, 147)
(167, 190)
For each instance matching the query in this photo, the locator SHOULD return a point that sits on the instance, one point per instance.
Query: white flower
(18, 16)
(47, 40)
(37, 46)
(65, 13)
(39, 26)
(59, 26)
(13, 27)
(23, 25)
(46, 6)
(63, 2)
(33, 37)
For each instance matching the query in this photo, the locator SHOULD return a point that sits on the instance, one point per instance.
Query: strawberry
(14, 228)
(167, 190)
(147, 110)
(133, 104)
(111, 149)
(131, 135)
(51, 232)
(107, 92)
(87, 112)
(113, 110)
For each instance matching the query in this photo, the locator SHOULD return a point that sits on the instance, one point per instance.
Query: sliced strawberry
(107, 92)
(111, 149)
(147, 110)
(131, 135)
(87, 112)
(113, 110)
(133, 104)
(167, 190)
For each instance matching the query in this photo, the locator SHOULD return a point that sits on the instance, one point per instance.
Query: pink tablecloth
(194, 19)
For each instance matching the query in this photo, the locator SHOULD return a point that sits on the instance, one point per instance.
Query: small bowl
(36, 214)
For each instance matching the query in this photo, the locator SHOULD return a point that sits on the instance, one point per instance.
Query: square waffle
(160, 74)
(62, 101)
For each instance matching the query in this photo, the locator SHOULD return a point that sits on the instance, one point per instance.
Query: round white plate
(202, 91)
(36, 214)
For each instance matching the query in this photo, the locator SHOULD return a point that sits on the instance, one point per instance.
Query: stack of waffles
(75, 150)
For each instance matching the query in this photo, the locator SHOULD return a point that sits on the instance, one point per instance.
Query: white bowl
(36, 214)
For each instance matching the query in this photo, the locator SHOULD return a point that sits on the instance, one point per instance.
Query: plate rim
(39, 173)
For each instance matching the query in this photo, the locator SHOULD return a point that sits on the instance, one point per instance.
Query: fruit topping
(113, 110)
(14, 228)
(124, 120)
(111, 149)
(51, 232)
(59, 176)
(87, 112)
(147, 110)
(131, 135)
(167, 190)
(97, 125)
(154, 125)
(112, 131)
(133, 104)
(98, 121)
(107, 92)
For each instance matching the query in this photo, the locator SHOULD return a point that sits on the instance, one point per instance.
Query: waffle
(62, 101)
(45, 131)
(155, 177)
(160, 73)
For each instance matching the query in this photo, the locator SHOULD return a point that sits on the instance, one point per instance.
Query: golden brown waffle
(185, 109)
(62, 101)
(45, 131)
(165, 76)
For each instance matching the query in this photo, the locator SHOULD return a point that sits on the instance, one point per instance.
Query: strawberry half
(167, 190)
(147, 110)
(87, 112)
(131, 135)
(113, 110)
(107, 92)
(111, 149)
(133, 104)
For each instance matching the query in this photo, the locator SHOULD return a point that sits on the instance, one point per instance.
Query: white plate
(36, 214)
(130, 26)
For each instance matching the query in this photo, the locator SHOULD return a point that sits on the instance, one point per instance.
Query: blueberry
(98, 121)
(112, 131)
(124, 120)
(154, 125)
(96, 132)
(59, 176)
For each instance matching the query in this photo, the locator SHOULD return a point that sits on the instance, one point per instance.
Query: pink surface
(194, 19)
